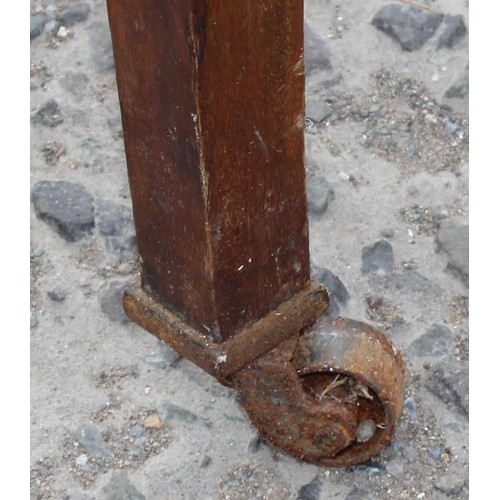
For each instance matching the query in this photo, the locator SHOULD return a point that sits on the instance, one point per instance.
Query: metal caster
(331, 396)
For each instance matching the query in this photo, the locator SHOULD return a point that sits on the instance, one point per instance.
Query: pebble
(153, 422)
(90, 440)
(62, 32)
(311, 491)
(120, 488)
(454, 31)
(81, 459)
(410, 26)
(33, 321)
(319, 194)
(164, 357)
(51, 12)
(137, 430)
(450, 484)
(255, 444)
(396, 466)
(66, 207)
(37, 22)
(450, 128)
(75, 14)
(317, 110)
(460, 87)
(344, 176)
(101, 57)
(398, 445)
(339, 296)
(378, 256)
(116, 224)
(449, 381)
(52, 27)
(170, 411)
(57, 294)
(434, 453)
(110, 298)
(49, 114)
(453, 239)
(316, 52)
(38, 252)
(437, 341)
(411, 405)
(205, 462)
(366, 430)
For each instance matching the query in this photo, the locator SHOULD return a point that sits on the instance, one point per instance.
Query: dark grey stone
(411, 405)
(111, 296)
(101, 56)
(316, 52)
(66, 207)
(37, 22)
(450, 484)
(33, 321)
(454, 31)
(453, 238)
(359, 494)
(319, 194)
(460, 87)
(317, 110)
(377, 256)
(74, 14)
(170, 411)
(205, 462)
(450, 128)
(311, 491)
(120, 488)
(137, 431)
(410, 26)
(164, 357)
(449, 381)
(116, 224)
(91, 441)
(33, 86)
(434, 452)
(437, 341)
(256, 444)
(49, 114)
(57, 294)
(339, 296)
(398, 445)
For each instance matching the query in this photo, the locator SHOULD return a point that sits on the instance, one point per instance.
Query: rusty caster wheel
(330, 396)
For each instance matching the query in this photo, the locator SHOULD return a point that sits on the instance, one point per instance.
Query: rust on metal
(223, 359)
(331, 396)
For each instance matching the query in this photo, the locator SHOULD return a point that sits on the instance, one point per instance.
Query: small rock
(125, 268)
(437, 341)
(164, 357)
(434, 453)
(49, 114)
(316, 52)
(359, 494)
(319, 194)
(116, 224)
(317, 110)
(111, 297)
(311, 491)
(460, 87)
(137, 431)
(66, 207)
(366, 430)
(450, 484)
(205, 462)
(255, 444)
(62, 32)
(37, 22)
(74, 14)
(411, 405)
(387, 232)
(153, 422)
(57, 294)
(81, 459)
(398, 445)
(90, 440)
(339, 295)
(52, 27)
(101, 57)
(51, 12)
(395, 467)
(377, 256)
(170, 411)
(450, 128)
(33, 321)
(409, 25)
(453, 238)
(449, 381)
(454, 31)
(37, 252)
(120, 488)
(33, 86)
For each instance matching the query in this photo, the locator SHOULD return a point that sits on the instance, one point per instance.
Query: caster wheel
(331, 396)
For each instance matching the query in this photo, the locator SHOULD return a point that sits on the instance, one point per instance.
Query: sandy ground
(391, 182)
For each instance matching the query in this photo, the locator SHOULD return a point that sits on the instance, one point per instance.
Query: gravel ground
(116, 414)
